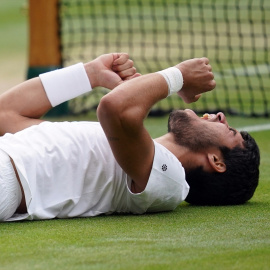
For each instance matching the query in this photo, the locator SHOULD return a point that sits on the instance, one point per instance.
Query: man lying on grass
(82, 169)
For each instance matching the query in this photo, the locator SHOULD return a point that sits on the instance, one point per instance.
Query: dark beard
(189, 134)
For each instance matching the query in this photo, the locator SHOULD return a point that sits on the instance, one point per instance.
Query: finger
(196, 98)
(206, 60)
(133, 76)
(192, 99)
(130, 77)
(121, 59)
(128, 64)
(127, 72)
(211, 75)
(212, 84)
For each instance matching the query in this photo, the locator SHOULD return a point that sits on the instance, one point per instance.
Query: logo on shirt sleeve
(164, 167)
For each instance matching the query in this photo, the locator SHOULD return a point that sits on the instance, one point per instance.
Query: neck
(188, 158)
(182, 153)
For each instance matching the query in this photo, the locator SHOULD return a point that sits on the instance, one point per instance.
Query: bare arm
(24, 104)
(122, 111)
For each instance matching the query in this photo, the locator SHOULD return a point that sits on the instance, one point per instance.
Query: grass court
(191, 237)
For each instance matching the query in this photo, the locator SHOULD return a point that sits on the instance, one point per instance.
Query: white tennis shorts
(10, 191)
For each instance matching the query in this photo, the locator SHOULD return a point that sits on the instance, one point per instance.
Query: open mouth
(208, 116)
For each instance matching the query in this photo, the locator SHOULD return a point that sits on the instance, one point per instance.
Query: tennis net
(233, 34)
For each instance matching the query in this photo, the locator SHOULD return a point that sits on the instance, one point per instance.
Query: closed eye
(233, 130)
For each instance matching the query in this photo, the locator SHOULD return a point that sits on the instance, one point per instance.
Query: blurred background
(234, 35)
(13, 43)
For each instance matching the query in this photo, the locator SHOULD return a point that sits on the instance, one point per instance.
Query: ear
(216, 162)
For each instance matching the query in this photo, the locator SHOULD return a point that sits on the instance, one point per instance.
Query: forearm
(24, 104)
(123, 110)
(26, 100)
(121, 114)
(129, 103)
(133, 100)
(35, 97)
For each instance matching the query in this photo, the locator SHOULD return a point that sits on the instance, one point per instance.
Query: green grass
(13, 24)
(235, 237)
(13, 43)
(188, 238)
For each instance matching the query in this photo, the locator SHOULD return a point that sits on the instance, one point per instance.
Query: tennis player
(82, 169)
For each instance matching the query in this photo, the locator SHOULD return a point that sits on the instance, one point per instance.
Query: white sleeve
(166, 187)
(64, 84)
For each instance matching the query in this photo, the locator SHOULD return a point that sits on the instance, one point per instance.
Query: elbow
(108, 108)
(7, 119)
(117, 111)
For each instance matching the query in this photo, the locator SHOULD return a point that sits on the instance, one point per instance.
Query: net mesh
(233, 34)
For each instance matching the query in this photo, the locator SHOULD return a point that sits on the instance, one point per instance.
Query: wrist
(64, 84)
(91, 71)
(174, 79)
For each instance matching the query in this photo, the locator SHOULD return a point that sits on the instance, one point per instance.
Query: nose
(222, 118)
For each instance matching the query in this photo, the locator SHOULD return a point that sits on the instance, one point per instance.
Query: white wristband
(174, 79)
(64, 84)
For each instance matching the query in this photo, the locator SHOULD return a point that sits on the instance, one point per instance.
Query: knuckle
(132, 71)
(125, 55)
(211, 75)
(130, 63)
(200, 61)
(212, 84)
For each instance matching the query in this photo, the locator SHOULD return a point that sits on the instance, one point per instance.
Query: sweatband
(10, 190)
(64, 84)
(174, 79)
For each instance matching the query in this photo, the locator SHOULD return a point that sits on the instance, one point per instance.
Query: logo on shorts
(164, 167)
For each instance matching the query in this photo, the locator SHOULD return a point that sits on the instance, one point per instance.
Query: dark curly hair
(236, 185)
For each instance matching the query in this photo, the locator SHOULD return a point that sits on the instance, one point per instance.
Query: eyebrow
(234, 130)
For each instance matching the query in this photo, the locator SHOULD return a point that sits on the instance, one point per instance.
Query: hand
(198, 78)
(110, 70)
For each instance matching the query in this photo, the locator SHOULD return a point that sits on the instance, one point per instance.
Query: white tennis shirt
(68, 170)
